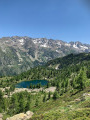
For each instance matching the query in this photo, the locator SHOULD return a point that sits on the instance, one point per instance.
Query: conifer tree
(27, 107)
(49, 95)
(55, 95)
(44, 98)
(82, 79)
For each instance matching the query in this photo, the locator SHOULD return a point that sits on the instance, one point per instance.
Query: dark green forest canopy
(71, 59)
(68, 67)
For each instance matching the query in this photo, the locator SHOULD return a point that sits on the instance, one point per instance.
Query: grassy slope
(67, 107)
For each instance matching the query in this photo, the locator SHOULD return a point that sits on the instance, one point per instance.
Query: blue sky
(67, 20)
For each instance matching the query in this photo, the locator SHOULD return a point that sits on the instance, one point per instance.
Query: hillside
(68, 66)
(19, 54)
(67, 107)
(70, 63)
(70, 100)
(72, 59)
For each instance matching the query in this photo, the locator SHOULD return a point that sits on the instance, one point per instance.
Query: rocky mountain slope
(18, 54)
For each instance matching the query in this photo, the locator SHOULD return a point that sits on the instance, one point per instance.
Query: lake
(25, 84)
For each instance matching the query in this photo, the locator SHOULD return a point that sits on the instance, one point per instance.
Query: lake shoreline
(27, 84)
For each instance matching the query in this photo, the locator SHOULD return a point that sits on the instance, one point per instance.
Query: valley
(66, 95)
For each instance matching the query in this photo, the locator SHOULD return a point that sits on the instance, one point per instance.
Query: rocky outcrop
(86, 94)
(1, 116)
(21, 116)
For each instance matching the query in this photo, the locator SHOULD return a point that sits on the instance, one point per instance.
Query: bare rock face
(29, 114)
(86, 94)
(21, 116)
(78, 99)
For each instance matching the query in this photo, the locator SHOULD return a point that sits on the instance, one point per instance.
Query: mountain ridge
(19, 54)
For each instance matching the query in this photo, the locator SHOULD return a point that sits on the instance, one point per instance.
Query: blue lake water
(25, 84)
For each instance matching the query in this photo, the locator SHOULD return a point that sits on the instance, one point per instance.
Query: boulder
(21, 116)
(1, 116)
(86, 94)
(28, 113)
(78, 100)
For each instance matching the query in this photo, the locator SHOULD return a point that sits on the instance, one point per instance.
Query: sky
(67, 20)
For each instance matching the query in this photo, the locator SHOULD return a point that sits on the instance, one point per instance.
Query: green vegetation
(67, 107)
(73, 74)
(71, 79)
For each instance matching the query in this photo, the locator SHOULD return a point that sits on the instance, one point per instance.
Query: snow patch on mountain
(57, 51)
(34, 41)
(84, 47)
(21, 41)
(58, 43)
(44, 45)
(75, 46)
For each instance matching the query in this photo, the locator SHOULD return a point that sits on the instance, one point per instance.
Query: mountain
(19, 54)
(50, 70)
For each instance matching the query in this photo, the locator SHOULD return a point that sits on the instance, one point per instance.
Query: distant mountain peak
(18, 53)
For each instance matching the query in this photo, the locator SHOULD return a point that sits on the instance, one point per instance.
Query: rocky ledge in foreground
(21, 116)
(1, 116)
